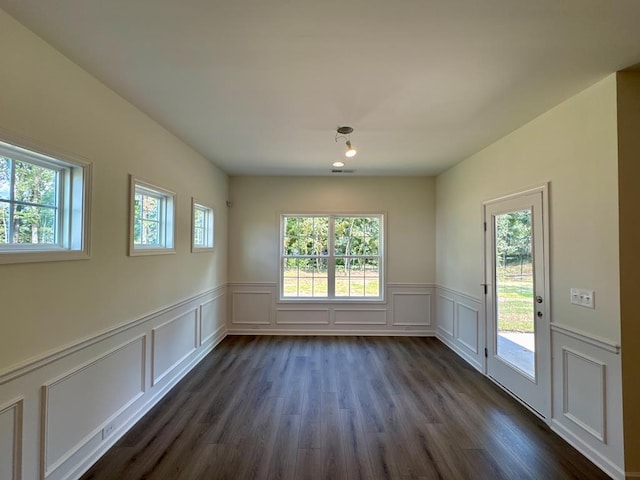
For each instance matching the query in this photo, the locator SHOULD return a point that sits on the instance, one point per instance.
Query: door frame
(542, 189)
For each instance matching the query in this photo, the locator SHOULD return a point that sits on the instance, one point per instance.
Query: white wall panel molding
(11, 440)
(251, 307)
(72, 413)
(596, 341)
(411, 308)
(584, 395)
(460, 324)
(460, 295)
(172, 342)
(212, 318)
(446, 316)
(80, 400)
(467, 327)
(302, 316)
(23, 368)
(587, 397)
(360, 316)
(254, 309)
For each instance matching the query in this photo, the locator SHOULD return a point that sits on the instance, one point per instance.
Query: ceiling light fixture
(345, 132)
(338, 164)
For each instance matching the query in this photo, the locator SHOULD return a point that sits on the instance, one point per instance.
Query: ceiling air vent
(340, 170)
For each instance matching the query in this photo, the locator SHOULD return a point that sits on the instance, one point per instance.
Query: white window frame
(166, 222)
(208, 229)
(72, 240)
(331, 257)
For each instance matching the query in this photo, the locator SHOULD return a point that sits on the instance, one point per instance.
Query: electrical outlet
(584, 298)
(108, 429)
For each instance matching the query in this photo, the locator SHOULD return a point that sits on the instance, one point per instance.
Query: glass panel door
(514, 291)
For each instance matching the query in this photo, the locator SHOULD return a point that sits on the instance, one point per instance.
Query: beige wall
(258, 202)
(51, 101)
(629, 195)
(574, 147)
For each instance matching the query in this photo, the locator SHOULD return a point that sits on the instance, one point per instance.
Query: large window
(331, 256)
(152, 219)
(43, 207)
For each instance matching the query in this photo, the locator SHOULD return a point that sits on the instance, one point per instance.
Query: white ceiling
(259, 86)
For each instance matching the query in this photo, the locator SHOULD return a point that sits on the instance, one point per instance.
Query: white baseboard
(336, 333)
(604, 464)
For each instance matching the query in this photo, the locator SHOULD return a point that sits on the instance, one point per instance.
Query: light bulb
(338, 164)
(351, 152)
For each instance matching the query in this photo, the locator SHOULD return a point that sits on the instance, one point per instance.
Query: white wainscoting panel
(251, 307)
(299, 316)
(75, 403)
(255, 309)
(213, 317)
(461, 325)
(468, 327)
(172, 342)
(584, 392)
(11, 440)
(411, 309)
(446, 314)
(587, 396)
(360, 316)
(73, 413)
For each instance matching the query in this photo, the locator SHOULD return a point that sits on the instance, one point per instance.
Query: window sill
(201, 249)
(36, 256)
(359, 301)
(140, 252)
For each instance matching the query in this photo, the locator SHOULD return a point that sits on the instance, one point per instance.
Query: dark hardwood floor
(339, 407)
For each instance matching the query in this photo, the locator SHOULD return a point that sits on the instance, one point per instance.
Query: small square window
(152, 215)
(202, 231)
(44, 206)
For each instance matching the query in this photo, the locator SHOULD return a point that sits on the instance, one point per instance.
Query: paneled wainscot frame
(254, 308)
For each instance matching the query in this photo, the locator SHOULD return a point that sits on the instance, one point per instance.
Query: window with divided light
(43, 206)
(152, 219)
(202, 227)
(331, 257)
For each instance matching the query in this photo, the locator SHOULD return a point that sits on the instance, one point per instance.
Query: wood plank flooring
(339, 408)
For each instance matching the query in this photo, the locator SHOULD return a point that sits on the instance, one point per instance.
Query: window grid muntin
(331, 258)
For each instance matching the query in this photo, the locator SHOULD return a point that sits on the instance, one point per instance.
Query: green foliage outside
(36, 222)
(514, 272)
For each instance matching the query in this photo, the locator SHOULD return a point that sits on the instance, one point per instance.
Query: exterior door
(517, 296)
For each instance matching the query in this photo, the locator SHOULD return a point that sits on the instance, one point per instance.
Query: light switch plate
(584, 298)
